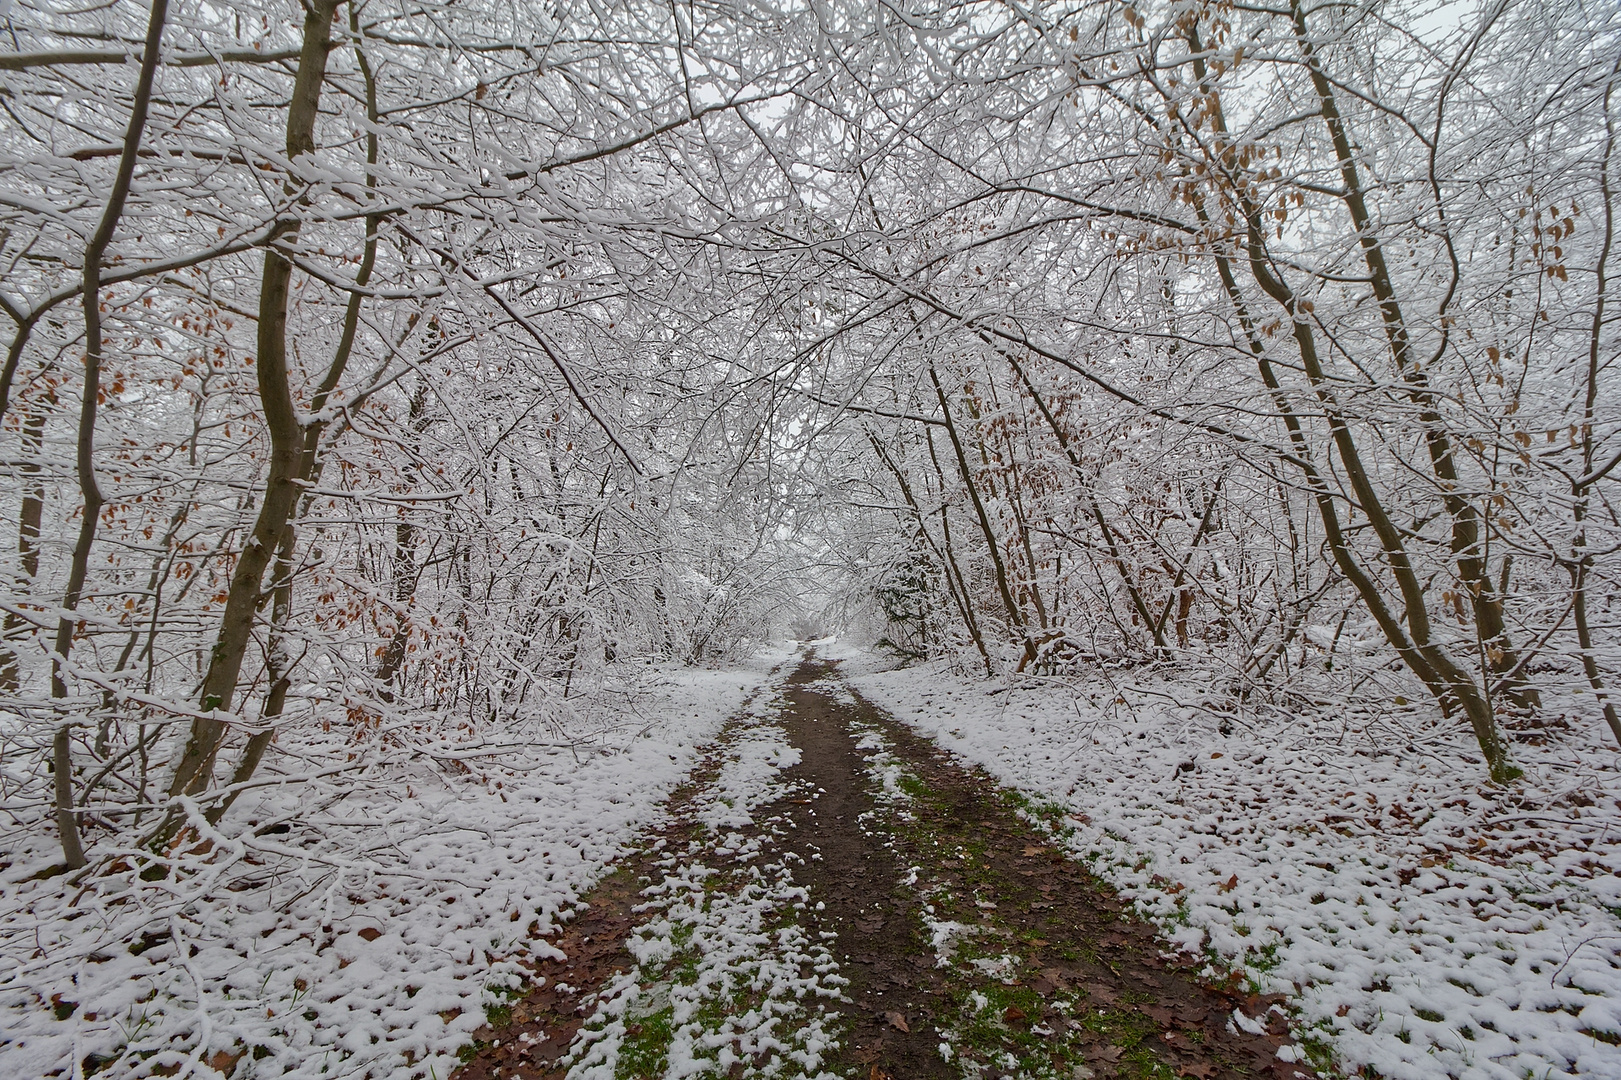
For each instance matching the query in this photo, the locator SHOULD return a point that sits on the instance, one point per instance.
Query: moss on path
(966, 945)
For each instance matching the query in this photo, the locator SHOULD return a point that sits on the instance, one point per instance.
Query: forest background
(390, 382)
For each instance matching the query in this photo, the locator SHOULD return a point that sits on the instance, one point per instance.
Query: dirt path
(870, 910)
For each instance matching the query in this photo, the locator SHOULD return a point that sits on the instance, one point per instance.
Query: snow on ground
(1427, 923)
(358, 936)
(726, 981)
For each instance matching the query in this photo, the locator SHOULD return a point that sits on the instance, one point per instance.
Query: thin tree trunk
(952, 566)
(159, 561)
(279, 663)
(33, 504)
(1581, 559)
(1110, 537)
(1429, 661)
(1012, 492)
(287, 445)
(278, 670)
(1184, 597)
(1015, 616)
(1501, 657)
(14, 355)
(923, 530)
(404, 574)
(85, 461)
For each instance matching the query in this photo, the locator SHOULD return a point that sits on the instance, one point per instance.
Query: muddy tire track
(969, 946)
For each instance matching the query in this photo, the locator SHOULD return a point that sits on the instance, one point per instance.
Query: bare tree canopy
(385, 379)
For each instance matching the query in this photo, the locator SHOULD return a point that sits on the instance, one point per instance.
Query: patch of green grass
(1263, 959)
(987, 1033)
(1123, 1028)
(912, 786)
(646, 1049)
(498, 1014)
(1142, 1062)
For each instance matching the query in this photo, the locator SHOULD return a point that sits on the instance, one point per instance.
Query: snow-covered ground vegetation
(726, 981)
(1423, 923)
(356, 926)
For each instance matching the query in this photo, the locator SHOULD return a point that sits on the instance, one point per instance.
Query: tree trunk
(950, 552)
(1447, 683)
(33, 504)
(282, 489)
(1501, 658)
(84, 458)
(923, 530)
(1581, 559)
(1094, 509)
(1015, 616)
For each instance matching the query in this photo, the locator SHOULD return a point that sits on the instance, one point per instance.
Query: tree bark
(30, 512)
(1015, 616)
(922, 526)
(84, 458)
(1581, 559)
(1501, 657)
(1447, 683)
(287, 445)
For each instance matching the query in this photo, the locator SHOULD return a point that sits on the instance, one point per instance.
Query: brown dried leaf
(224, 1061)
(1161, 1015)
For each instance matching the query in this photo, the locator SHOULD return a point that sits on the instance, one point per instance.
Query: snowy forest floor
(842, 868)
(834, 896)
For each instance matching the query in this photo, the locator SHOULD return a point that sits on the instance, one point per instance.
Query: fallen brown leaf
(898, 1022)
(224, 1061)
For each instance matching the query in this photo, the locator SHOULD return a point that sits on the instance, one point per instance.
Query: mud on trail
(835, 896)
